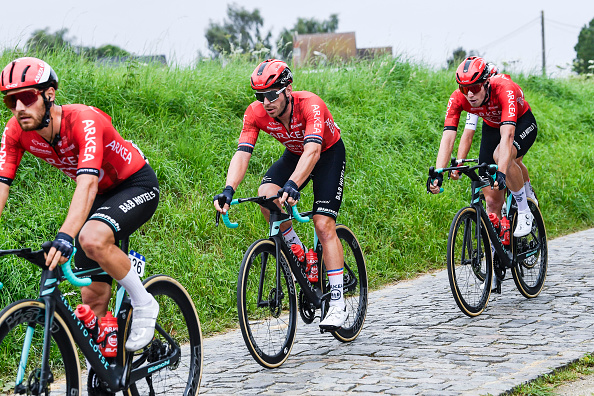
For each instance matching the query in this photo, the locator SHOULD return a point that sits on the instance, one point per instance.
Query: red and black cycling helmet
(271, 73)
(472, 70)
(27, 72)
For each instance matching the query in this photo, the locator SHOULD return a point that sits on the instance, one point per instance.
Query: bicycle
(470, 260)
(38, 339)
(266, 294)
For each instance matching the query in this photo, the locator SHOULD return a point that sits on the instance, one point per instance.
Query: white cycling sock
(291, 237)
(529, 190)
(138, 294)
(520, 197)
(335, 279)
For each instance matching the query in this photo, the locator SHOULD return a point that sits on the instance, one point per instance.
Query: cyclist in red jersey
(509, 130)
(116, 190)
(314, 150)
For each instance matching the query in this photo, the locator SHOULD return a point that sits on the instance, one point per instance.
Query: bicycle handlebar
(70, 276)
(263, 201)
(37, 258)
(465, 169)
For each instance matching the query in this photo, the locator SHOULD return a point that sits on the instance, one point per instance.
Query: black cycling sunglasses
(27, 98)
(270, 95)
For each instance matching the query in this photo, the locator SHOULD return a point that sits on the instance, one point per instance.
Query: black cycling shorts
(327, 176)
(526, 131)
(124, 209)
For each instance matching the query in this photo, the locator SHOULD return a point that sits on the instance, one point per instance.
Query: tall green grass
(187, 121)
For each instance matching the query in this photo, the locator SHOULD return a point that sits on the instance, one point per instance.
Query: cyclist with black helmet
(509, 130)
(116, 189)
(314, 150)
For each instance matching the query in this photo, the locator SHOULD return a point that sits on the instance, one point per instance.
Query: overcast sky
(423, 30)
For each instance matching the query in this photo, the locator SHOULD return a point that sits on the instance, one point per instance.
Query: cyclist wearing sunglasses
(116, 190)
(314, 150)
(509, 130)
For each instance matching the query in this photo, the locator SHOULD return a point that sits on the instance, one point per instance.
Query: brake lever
(217, 218)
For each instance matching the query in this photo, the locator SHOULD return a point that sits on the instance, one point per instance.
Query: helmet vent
(25, 73)
(271, 78)
(11, 70)
(467, 65)
(261, 68)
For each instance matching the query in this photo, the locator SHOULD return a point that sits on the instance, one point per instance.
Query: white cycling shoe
(335, 318)
(524, 225)
(142, 328)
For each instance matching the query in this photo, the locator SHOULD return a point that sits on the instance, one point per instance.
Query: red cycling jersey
(311, 121)
(505, 105)
(89, 144)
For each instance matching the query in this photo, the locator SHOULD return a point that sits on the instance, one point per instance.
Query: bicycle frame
(313, 294)
(477, 184)
(118, 376)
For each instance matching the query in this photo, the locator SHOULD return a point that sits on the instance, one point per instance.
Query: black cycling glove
(290, 188)
(64, 243)
(431, 179)
(225, 197)
(500, 179)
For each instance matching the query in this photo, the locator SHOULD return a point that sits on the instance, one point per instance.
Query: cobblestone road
(416, 341)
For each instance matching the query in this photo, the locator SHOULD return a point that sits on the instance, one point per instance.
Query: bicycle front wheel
(177, 332)
(21, 330)
(530, 255)
(354, 285)
(266, 304)
(469, 263)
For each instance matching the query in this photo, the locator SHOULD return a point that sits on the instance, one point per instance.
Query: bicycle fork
(48, 284)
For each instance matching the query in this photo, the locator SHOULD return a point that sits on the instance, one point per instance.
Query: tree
(42, 40)
(105, 51)
(240, 33)
(584, 61)
(304, 26)
(458, 56)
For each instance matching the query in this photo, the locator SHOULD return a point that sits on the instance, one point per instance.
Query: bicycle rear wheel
(267, 312)
(177, 331)
(469, 263)
(354, 285)
(530, 255)
(22, 323)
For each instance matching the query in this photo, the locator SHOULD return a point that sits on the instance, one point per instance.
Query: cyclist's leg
(328, 178)
(489, 140)
(525, 136)
(276, 176)
(123, 211)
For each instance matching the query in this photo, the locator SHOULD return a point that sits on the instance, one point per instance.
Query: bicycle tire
(355, 293)
(178, 318)
(530, 274)
(267, 329)
(469, 274)
(64, 363)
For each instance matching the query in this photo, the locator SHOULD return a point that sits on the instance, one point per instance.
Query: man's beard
(37, 124)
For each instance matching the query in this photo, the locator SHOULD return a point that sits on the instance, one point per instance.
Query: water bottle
(495, 220)
(298, 252)
(504, 231)
(312, 266)
(85, 314)
(108, 336)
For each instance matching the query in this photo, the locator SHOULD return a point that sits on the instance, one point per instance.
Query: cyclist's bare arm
(505, 146)
(238, 168)
(307, 161)
(446, 148)
(4, 189)
(235, 174)
(463, 149)
(465, 143)
(80, 206)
